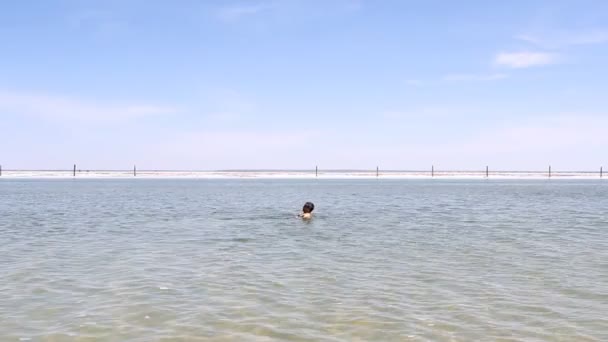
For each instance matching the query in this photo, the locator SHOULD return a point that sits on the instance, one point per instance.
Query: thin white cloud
(81, 19)
(283, 11)
(414, 83)
(559, 39)
(237, 12)
(566, 141)
(235, 149)
(524, 59)
(529, 39)
(429, 112)
(457, 77)
(354, 5)
(102, 24)
(474, 77)
(569, 141)
(591, 37)
(226, 105)
(62, 108)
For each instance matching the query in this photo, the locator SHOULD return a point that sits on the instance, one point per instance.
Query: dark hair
(308, 207)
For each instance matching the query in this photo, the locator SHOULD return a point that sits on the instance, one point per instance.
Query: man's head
(308, 207)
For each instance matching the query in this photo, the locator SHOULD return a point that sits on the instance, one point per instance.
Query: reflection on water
(227, 260)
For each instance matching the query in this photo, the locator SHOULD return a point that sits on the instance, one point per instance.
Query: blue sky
(294, 84)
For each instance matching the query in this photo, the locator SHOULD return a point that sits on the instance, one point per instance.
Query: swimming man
(307, 211)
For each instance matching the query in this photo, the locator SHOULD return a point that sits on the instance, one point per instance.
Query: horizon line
(432, 169)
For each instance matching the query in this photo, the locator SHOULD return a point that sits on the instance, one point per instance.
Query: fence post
(316, 171)
(601, 171)
(74, 173)
(134, 170)
(377, 171)
(0, 170)
(549, 171)
(487, 172)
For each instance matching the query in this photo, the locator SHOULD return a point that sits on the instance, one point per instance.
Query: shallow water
(226, 260)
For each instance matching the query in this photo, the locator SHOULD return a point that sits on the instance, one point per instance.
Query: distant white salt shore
(253, 174)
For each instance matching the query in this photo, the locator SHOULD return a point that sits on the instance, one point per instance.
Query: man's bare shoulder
(305, 216)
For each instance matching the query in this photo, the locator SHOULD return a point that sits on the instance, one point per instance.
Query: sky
(342, 84)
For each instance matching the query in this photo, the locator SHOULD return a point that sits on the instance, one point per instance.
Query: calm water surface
(226, 260)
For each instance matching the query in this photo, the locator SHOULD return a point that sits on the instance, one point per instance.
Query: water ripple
(226, 260)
